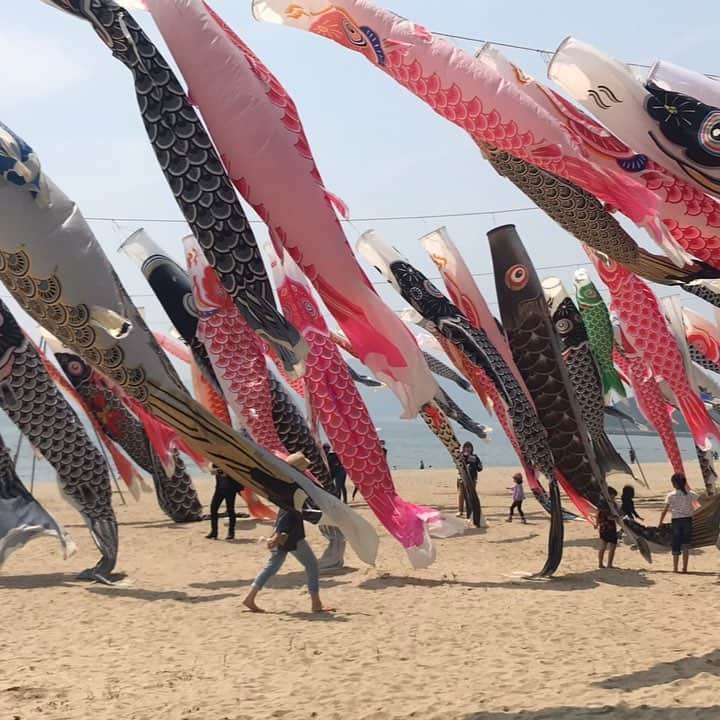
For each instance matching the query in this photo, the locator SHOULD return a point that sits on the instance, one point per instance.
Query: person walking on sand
(680, 503)
(517, 498)
(288, 537)
(226, 489)
(605, 524)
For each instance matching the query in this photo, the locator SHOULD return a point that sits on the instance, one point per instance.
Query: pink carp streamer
(702, 335)
(465, 293)
(296, 384)
(649, 397)
(342, 412)
(271, 164)
(690, 216)
(235, 351)
(646, 330)
(462, 90)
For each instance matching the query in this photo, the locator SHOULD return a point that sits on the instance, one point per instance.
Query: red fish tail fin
(700, 423)
(586, 508)
(257, 508)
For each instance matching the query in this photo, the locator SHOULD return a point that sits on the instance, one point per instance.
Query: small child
(517, 498)
(628, 503)
(605, 523)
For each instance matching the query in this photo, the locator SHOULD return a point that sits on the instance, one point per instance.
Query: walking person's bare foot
(251, 606)
(322, 609)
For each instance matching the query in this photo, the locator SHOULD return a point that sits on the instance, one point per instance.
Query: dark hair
(468, 444)
(612, 492)
(517, 476)
(679, 482)
(628, 493)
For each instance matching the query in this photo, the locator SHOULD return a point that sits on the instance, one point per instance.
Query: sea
(408, 443)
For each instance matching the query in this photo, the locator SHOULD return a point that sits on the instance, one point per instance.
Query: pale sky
(384, 152)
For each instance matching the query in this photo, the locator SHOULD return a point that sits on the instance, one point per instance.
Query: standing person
(337, 472)
(517, 498)
(605, 523)
(225, 489)
(681, 504)
(473, 465)
(288, 537)
(627, 502)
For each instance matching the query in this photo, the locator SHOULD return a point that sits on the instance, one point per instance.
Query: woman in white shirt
(681, 504)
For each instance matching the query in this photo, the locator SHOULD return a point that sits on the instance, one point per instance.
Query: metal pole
(32, 473)
(17, 448)
(637, 459)
(113, 475)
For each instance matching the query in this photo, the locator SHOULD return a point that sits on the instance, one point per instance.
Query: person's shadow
(666, 672)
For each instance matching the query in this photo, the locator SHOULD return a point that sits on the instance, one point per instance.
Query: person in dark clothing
(337, 471)
(605, 524)
(288, 537)
(226, 489)
(627, 501)
(473, 466)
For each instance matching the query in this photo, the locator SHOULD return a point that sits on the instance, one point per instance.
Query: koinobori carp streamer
(673, 129)
(86, 307)
(34, 403)
(22, 517)
(463, 90)
(474, 344)
(583, 373)
(195, 173)
(175, 491)
(345, 419)
(272, 166)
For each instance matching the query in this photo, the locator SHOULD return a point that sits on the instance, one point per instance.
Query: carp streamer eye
(516, 278)
(75, 367)
(564, 326)
(709, 133)
(353, 34)
(309, 309)
(432, 290)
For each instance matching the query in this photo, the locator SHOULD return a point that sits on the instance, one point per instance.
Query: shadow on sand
(154, 595)
(47, 580)
(607, 712)
(572, 581)
(286, 581)
(666, 672)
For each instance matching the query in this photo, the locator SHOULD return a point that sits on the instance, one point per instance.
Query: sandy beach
(464, 639)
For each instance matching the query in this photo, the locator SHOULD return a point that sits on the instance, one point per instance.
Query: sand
(463, 639)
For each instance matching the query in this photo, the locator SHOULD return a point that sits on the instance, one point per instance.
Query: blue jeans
(303, 553)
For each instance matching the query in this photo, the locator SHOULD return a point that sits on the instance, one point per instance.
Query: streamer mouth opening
(134, 247)
(116, 326)
(581, 276)
(264, 12)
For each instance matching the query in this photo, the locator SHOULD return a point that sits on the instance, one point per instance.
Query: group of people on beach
(288, 535)
(680, 503)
